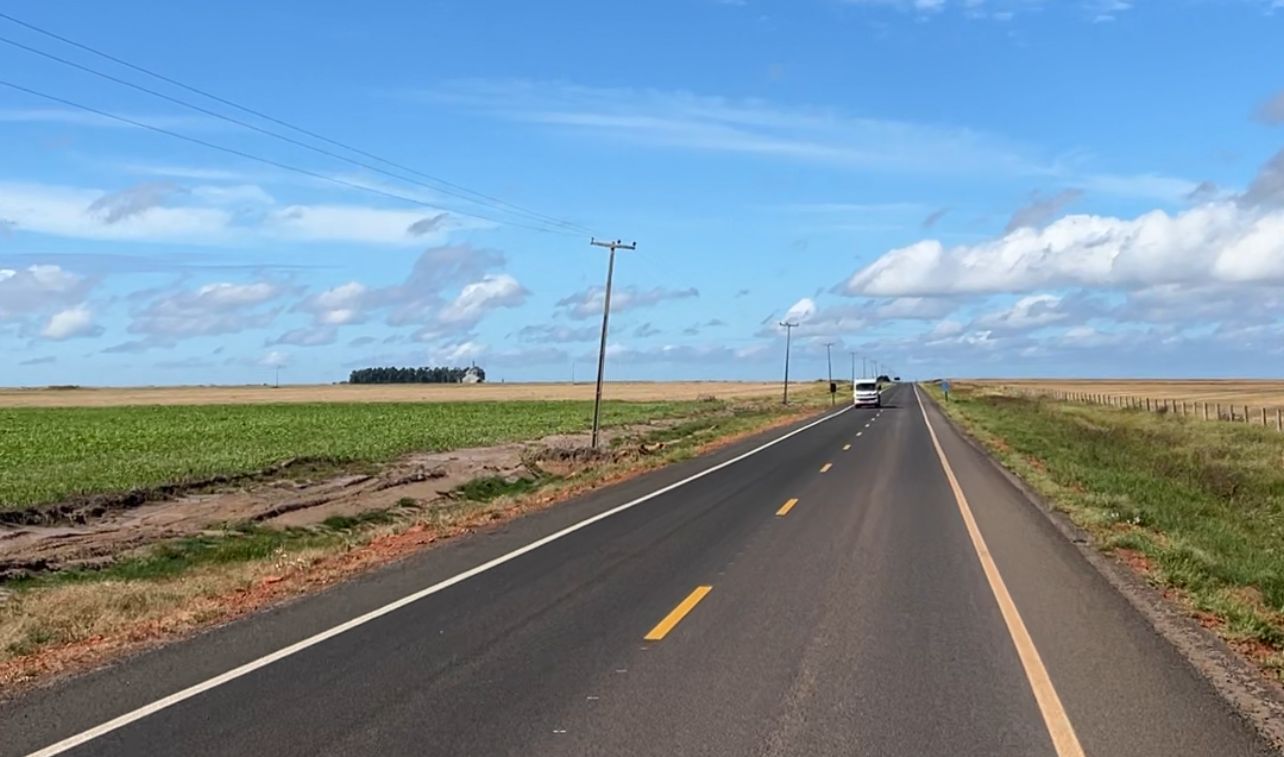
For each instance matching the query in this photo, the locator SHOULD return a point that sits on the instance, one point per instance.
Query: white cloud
(214, 214)
(801, 311)
(39, 289)
(480, 297)
(1214, 242)
(1032, 311)
(457, 353)
(338, 306)
(275, 359)
(219, 308)
(687, 121)
(588, 303)
(910, 308)
(70, 323)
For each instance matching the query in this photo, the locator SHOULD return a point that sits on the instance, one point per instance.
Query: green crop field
(52, 454)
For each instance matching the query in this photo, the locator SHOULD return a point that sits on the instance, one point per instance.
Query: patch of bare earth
(99, 621)
(103, 533)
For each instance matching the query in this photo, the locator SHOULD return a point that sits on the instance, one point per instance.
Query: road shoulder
(1253, 697)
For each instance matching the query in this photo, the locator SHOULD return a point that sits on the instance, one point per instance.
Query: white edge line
(298, 646)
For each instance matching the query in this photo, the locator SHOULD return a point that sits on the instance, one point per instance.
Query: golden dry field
(238, 395)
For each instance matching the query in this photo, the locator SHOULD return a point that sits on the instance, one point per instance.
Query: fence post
(1246, 414)
(1279, 419)
(1219, 411)
(1148, 404)
(1263, 417)
(1205, 404)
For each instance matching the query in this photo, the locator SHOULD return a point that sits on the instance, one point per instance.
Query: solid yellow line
(785, 508)
(846, 447)
(825, 468)
(1054, 714)
(673, 618)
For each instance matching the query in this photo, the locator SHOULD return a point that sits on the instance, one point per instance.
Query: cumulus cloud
(801, 311)
(419, 297)
(71, 323)
(46, 360)
(1029, 312)
(1042, 209)
(340, 305)
(480, 297)
(588, 303)
(646, 330)
(39, 289)
(915, 308)
(274, 359)
(219, 308)
(1214, 242)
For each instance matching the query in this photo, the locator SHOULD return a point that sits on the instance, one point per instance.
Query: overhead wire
(251, 156)
(440, 185)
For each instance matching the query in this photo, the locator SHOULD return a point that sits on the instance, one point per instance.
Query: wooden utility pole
(606, 317)
(789, 331)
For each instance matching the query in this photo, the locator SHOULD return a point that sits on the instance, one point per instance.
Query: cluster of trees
(421, 375)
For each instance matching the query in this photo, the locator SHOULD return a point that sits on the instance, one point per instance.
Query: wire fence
(1198, 409)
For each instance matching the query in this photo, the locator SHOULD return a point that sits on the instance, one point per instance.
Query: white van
(865, 394)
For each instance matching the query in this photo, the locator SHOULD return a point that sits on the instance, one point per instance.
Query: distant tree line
(421, 375)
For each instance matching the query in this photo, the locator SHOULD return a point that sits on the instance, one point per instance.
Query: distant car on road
(865, 394)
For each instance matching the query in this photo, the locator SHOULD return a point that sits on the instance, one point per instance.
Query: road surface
(830, 593)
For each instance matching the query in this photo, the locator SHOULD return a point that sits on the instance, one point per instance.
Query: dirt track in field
(236, 395)
(1256, 394)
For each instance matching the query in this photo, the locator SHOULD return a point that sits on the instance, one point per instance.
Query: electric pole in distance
(606, 317)
(853, 371)
(829, 363)
(789, 330)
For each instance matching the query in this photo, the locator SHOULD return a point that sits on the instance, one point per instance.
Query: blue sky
(953, 187)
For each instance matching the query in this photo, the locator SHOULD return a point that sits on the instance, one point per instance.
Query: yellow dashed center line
(825, 468)
(673, 618)
(785, 508)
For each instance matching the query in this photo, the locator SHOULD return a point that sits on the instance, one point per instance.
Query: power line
(450, 188)
(257, 158)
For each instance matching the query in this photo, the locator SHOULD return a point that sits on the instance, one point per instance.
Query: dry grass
(236, 395)
(1256, 394)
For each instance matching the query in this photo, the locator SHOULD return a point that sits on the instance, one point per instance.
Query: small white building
(472, 376)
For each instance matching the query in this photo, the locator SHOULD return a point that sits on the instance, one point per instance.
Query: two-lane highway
(865, 585)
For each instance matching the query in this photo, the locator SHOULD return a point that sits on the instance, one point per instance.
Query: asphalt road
(714, 618)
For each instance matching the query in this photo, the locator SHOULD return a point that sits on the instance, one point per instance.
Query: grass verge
(59, 621)
(1196, 507)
